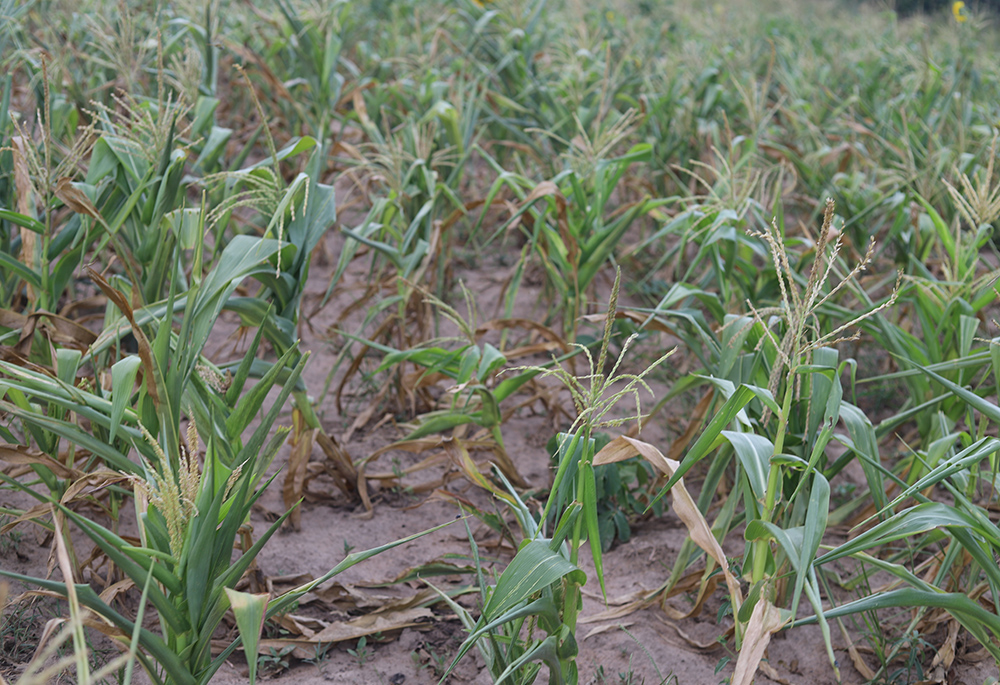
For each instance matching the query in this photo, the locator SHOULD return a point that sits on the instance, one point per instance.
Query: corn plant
(961, 536)
(567, 225)
(541, 585)
(781, 453)
(948, 306)
(189, 516)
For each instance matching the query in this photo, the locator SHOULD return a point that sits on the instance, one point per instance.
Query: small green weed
(320, 657)
(275, 661)
(362, 653)
(436, 662)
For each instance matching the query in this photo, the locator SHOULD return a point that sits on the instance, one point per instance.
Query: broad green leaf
(812, 533)
(988, 409)
(754, 452)
(941, 227)
(249, 611)
(23, 221)
(589, 499)
(978, 621)
(865, 444)
(251, 402)
(919, 519)
(492, 359)
(29, 275)
(534, 567)
(968, 457)
(294, 147)
(709, 437)
(123, 374)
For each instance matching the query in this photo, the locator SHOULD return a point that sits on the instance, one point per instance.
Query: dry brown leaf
(618, 612)
(295, 476)
(705, 590)
(639, 318)
(361, 109)
(946, 653)
(624, 447)
(112, 592)
(543, 189)
(277, 585)
(25, 456)
(66, 331)
(145, 350)
(855, 655)
(91, 482)
(616, 601)
(35, 512)
(604, 629)
(349, 631)
(772, 673)
(301, 626)
(48, 632)
(935, 677)
(764, 622)
(22, 180)
(710, 646)
(413, 573)
(366, 414)
(25, 200)
(370, 624)
(345, 598)
(338, 463)
(686, 584)
(74, 198)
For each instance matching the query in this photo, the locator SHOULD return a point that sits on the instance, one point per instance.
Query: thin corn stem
(773, 481)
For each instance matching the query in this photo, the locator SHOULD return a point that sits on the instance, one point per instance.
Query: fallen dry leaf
(349, 631)
(764, 622)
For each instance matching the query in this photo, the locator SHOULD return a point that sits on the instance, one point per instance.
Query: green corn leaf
(978, 621)
(919, 519)
(865, 443)
(534, 567)
(968, 457)
(469, 363)
(23, 221)
(710, 436)
(543, 607)
(941, 227)
(249, 611)
(123, 374)
(430, 425)
(754, 452)
(251, 402)
(243, 370)
(988, 409)
(73, 434)
(202, 545)
(29, 275)
(812, 534)
(589, 500)
(295, 146)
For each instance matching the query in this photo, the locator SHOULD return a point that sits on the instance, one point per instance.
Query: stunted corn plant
(541, 585)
